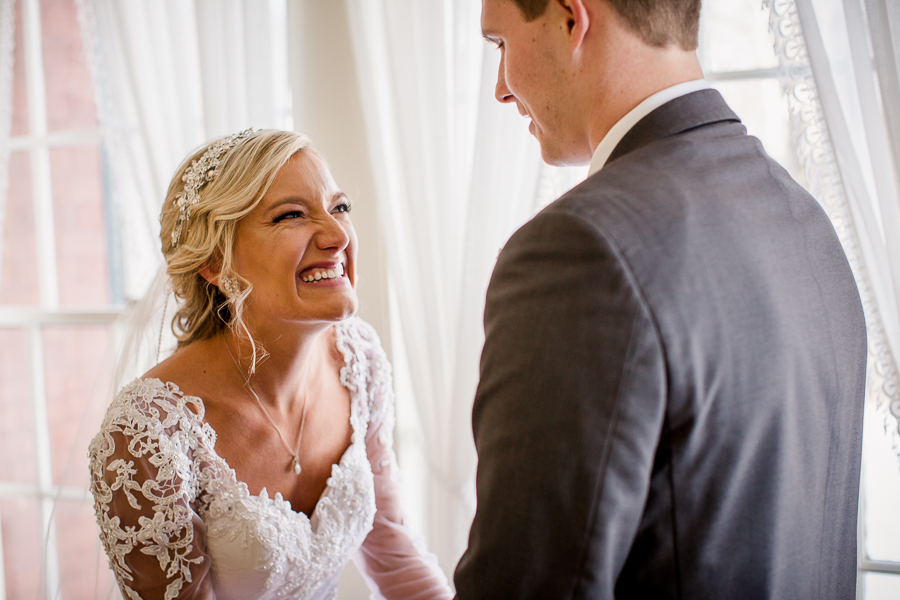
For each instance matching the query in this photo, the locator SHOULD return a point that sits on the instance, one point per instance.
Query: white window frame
(32, 320)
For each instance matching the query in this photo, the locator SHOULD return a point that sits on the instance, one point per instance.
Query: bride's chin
(348, 310)
(335, 313)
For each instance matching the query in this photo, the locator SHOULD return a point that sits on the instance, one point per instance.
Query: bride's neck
(286, 367)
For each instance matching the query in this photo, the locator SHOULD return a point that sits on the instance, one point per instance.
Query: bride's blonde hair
(206, 240)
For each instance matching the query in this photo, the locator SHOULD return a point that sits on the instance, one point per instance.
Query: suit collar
(697, 109)
(644, 108)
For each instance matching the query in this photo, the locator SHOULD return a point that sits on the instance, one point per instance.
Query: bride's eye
(291, 214)
(343, 207)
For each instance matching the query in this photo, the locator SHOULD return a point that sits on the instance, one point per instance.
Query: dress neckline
(356, 423)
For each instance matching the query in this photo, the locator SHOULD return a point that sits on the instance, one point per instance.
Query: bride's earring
(230, 288)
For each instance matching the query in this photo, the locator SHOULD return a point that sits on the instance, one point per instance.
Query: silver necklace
(294, 453)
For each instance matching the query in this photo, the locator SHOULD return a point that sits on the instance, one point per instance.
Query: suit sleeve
(567, 417)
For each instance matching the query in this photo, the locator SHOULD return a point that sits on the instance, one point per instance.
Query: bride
(256, 460)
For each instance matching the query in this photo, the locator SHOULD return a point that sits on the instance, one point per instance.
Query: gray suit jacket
(672, 382)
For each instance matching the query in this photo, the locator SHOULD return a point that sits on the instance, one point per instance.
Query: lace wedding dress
(177, 523)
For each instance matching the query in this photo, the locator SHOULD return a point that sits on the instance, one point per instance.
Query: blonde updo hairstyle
(243, 176)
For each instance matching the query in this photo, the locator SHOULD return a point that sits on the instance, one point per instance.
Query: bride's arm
(392, 558)
(142, 482)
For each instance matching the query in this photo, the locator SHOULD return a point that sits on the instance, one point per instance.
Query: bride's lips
(323, 274)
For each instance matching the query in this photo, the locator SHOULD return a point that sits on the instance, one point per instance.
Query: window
(60, 289)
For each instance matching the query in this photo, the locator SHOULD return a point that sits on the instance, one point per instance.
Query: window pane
(21, 532)
(763, 110)
(70, 95)
(881, 477)
(80, 225)
(83, 566)
(881, 586)
(19, 93)
(736, 36)
(18, 267)
(17, 462)
(74, 358)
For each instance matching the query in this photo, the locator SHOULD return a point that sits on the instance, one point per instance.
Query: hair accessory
(201, 172)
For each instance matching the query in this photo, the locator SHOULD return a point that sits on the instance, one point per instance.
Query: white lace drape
(848, 150)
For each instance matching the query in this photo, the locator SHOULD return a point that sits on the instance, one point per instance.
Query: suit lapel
(677, 116)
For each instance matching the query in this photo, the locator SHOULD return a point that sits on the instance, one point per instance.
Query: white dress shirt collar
(624, 125)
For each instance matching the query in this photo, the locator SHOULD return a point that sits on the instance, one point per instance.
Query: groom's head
(574, 67)
(657, 22)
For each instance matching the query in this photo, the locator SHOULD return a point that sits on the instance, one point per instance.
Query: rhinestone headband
(201, 172)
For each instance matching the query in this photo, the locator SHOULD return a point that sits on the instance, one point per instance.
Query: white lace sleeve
(145, 485)
(393, 559)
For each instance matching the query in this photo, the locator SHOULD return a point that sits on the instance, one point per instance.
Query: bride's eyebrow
(288, 200)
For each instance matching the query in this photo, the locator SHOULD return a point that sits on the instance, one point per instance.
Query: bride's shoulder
(151, 400)
(163, 397)
(184, 377)
(148, 421)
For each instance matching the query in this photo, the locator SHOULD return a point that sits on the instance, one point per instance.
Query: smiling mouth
(317, 274)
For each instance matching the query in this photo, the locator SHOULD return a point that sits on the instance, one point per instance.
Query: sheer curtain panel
(455, 174)
(168, 76)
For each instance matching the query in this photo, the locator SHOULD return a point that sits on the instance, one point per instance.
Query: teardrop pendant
(297, 468)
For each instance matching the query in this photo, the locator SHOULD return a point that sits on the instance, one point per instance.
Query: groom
(671, 391)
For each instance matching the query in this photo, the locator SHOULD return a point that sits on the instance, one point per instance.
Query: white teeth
(334, 273)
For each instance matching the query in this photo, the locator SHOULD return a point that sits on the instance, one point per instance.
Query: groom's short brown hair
(658, 22)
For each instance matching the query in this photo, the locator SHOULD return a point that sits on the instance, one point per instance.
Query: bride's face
(298, 249)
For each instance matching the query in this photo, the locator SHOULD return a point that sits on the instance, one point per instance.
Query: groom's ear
(578, 21)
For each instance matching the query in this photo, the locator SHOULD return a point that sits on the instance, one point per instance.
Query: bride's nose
(332, 235)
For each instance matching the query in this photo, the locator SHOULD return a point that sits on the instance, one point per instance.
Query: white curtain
(838, 59)
(456, 174)
(169, 75)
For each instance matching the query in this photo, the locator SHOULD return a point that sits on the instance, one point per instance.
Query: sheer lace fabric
(177, 523)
